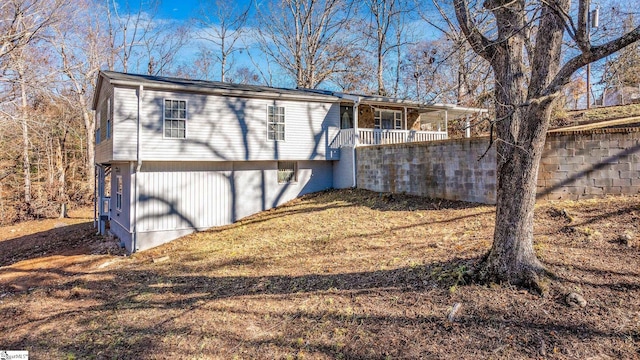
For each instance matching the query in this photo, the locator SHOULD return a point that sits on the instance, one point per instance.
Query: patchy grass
(342, 274)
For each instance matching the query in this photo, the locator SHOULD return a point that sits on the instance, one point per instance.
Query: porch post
(467, 130)
(446, 126)
(356, 133)
(406, 121)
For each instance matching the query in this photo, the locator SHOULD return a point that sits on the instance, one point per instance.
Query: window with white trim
(175, 119)
(275, 123)
(287, 172)
(387, 119)
(118, 192)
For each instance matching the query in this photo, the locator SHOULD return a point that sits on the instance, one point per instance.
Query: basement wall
(575, 165)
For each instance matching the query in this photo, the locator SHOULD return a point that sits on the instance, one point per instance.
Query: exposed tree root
(531, 275)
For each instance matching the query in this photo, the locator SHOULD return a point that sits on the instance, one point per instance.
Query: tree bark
(512, 258)
(523, 112)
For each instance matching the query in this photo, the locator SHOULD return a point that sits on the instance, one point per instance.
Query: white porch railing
(384, 136)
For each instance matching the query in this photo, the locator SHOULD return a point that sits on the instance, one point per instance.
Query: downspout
(134, 245)
(96, 199)
(356, 138)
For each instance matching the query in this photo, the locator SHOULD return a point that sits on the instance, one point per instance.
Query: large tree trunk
(512, 258)
(523, 111)
(521, 132)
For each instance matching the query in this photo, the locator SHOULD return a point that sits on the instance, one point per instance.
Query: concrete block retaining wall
(575, 165)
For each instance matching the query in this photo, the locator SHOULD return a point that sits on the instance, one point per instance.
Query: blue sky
(180, 10)
(177, 9)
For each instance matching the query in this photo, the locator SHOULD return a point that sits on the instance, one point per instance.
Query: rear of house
(175, 156)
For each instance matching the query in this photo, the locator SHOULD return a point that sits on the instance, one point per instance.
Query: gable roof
(264, 92)
(208, 87)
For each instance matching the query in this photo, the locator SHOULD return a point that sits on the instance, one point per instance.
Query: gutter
(134, 243)
(227, 92)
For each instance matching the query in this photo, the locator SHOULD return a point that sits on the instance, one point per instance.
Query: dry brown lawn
(342, 274)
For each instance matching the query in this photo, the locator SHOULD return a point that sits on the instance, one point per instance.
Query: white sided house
(175, 156)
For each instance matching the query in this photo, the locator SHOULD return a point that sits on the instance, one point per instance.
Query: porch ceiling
(453, 111)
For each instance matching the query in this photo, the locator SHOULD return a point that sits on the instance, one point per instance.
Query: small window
(387, 119)
(97, 136)
(108, 135)
(275, 123)
(119, 192)
(287, 172)
(175, 119)
(398, 124)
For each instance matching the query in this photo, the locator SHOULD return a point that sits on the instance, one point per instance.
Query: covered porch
(376, 120)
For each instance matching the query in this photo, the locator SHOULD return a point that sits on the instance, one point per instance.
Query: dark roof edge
(214, 87)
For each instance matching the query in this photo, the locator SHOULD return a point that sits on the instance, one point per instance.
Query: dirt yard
(338, 275)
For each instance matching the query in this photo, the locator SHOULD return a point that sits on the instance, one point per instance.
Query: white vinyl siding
(125, 121)
(198, 195)
(221, 128)
(275, 123)
(183, 195)
(175, 119)
(104, 144)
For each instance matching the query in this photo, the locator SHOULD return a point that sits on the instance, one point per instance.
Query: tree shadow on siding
(236, 113)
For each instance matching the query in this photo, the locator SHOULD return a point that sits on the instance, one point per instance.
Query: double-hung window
(387, 119)
(175, 119)
(275, 123)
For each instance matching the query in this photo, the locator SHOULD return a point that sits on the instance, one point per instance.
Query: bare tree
(245, 75)
(21, 22)
(523, 99)
(127, 31)
(306, 38)
(624, 68)
(386, 30)
(162, 47)
(81, 47)
(222, 23)
(457, 67)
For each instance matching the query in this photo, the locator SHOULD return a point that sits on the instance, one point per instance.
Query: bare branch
(480, 44)
(592, 54)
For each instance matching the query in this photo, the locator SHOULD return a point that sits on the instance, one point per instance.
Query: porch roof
(453, 111)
